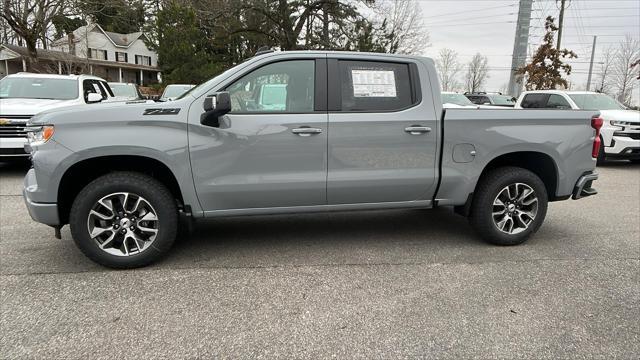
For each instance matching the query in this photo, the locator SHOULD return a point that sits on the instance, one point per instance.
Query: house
(89, 49)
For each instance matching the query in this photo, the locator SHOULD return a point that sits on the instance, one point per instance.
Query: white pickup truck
(23, 95)
(620, 132)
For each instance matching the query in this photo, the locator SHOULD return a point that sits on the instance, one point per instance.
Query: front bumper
(13, 147)
(46, 213)
(584, 187)
(623, 147)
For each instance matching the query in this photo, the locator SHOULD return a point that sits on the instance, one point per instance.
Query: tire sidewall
(163, 205)
(483, 206)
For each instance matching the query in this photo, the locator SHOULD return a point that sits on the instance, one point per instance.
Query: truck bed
(564, 136)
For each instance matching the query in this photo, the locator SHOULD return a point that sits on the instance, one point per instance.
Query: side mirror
(215, 105)
(94, 97)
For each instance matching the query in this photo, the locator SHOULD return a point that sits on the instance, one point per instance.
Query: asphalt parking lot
(383, 284)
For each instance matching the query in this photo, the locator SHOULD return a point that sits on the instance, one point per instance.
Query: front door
(382, 133)
(271, 149)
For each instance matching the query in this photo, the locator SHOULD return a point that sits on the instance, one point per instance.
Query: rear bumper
(45, 213)
(584, 187)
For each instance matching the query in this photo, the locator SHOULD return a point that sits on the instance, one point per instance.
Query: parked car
(174, 91)
(495, 99)
(353, 131)
(125, 91)
(451, 100)
(620, 133)
(23, 95)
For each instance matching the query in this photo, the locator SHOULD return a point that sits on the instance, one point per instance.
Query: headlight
(38, 135)
(620, 123)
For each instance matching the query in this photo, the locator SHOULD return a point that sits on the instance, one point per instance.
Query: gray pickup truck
(292, 132)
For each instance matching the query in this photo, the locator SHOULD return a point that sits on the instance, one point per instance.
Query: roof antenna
(263, 50)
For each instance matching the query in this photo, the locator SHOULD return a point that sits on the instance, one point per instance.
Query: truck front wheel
(124, 220)
(509, 205)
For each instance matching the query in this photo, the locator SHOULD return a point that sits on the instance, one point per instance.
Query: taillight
(596, 123)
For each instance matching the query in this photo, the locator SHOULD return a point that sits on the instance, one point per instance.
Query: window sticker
(373, 83)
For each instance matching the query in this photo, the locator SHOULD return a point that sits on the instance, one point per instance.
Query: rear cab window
(479, 99)
(557, 102)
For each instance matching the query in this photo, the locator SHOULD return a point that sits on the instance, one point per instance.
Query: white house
(90, 49)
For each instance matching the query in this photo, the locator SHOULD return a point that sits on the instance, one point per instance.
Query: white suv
(620, 133)
(23, 95)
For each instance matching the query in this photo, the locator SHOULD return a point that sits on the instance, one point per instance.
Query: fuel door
(464, 153)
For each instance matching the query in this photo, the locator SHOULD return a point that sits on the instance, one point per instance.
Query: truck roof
(333, 52)
(560, 92)
(54, 76)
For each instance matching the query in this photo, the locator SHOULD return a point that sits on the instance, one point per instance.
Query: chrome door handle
(306, 131)
(417, 130)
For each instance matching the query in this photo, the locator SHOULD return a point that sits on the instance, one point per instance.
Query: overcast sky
(488, 27)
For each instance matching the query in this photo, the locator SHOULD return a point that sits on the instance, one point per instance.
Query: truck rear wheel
(124, 220)
(509, 205)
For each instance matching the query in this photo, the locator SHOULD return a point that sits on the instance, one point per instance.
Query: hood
(19, 106)
(104, 112)
(621, 115)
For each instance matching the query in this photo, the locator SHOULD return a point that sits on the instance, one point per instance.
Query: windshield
(124, 90)
(503, 100)
(595, 102)
(38, 88)
(457, 99)
(173, 91)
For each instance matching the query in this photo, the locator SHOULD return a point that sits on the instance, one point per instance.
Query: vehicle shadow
(322, 238)
(618, 164)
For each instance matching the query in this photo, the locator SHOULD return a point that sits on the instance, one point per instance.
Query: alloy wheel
(123, 224)
(515, 208)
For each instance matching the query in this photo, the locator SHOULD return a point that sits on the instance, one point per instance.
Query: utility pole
(520, 45)
(593, 53)
(560, 21)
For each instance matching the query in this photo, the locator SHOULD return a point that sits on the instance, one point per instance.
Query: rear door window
(535, 101)
(374, 86)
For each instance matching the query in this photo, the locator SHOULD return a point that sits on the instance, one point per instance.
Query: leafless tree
(624, 79)
(404, 22)
(477, 72)
(603, 80)
(30, 19)
(448, 69)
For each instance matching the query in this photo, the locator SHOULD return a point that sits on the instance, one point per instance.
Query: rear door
(382, 132)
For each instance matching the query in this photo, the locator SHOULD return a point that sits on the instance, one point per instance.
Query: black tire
(142, 185)
(482, 207)
(601, 155)
(635, 161)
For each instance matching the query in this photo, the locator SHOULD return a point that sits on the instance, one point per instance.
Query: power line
(611, 8)
(484, 23)
(473, 18)
(467, 11)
